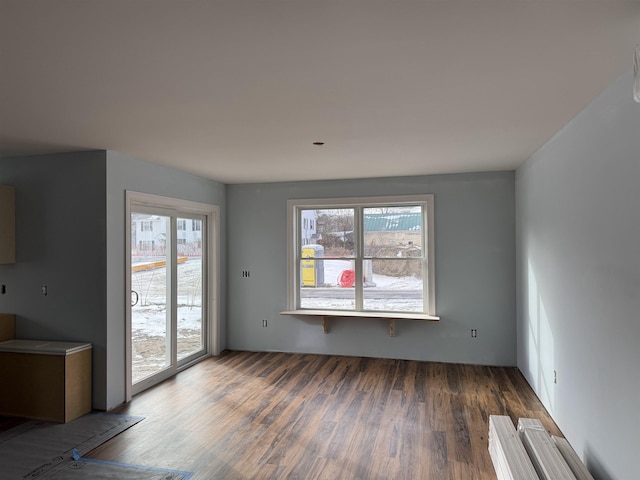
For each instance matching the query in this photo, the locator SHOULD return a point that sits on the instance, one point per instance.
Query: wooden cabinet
(7, 224)
(45, 380)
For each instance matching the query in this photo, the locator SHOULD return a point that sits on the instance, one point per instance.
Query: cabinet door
(7, 224)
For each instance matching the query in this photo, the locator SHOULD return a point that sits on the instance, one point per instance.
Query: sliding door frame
(211, 323)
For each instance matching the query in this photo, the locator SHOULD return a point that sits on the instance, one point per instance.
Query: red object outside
(347, 278)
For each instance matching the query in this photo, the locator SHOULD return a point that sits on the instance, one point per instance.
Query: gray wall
(61, 239)
(70, 225)
(126, 173)
(475, 272)
(578, 263)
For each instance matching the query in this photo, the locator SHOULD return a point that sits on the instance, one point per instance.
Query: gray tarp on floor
(97, 470)
(30, 449)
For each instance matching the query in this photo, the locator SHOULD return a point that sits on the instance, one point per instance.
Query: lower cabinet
(45, 380)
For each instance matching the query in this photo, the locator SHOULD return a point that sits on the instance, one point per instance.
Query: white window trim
(293, 274)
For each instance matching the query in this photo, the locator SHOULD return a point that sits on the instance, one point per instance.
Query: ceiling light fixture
(636, 75)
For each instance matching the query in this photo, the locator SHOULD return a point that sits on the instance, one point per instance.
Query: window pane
(150, 311)
(332, 228)
(327, 284)
(393, 231)
(393, 284)
(190, 321)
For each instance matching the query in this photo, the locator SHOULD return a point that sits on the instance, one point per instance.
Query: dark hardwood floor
(285, 416)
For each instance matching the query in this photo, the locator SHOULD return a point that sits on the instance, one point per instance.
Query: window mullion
(358, 239)
(298, 255)
(426, 280)
(172, 266)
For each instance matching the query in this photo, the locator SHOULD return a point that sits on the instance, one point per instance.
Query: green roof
(392, 222)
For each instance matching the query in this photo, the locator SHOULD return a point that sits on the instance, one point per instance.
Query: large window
(362, 254)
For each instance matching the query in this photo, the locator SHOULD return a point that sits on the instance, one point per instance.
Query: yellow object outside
(312, 269)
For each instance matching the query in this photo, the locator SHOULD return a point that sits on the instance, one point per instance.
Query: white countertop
(45, 347)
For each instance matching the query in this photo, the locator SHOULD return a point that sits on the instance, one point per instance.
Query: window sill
(390, 317)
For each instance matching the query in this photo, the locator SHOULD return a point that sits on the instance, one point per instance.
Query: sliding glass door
(169, 295)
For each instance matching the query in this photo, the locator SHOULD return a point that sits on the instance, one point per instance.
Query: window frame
(294, 244)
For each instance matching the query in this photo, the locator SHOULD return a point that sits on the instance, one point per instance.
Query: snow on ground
(375, 283)
(149, 316)
(334, 268)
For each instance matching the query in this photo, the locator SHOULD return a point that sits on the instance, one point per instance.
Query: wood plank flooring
(285, 416)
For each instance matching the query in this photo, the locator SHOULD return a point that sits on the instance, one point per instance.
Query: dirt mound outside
(395, 268)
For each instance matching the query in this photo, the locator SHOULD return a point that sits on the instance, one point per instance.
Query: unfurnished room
(339, 239)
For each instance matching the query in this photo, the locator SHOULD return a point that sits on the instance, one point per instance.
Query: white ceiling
(238, 90)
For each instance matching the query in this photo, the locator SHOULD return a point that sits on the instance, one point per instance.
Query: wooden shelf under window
(325, 315)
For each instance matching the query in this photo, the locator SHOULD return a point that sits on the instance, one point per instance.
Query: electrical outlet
(555, 377)
(44, 290)
(474, 333)
(264, 323)
(246, 274)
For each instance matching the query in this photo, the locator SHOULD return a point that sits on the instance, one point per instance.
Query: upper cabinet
(7, 224)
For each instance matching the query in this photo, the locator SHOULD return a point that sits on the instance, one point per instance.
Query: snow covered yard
(149, 316)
